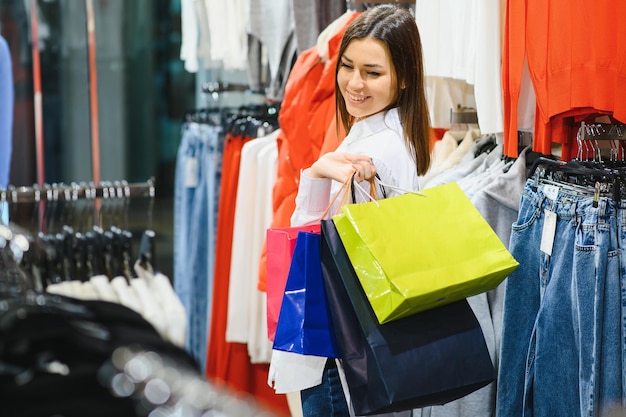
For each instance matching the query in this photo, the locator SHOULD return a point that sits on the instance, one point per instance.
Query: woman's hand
(340, 166)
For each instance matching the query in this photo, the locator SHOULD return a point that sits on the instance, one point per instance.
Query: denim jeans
(563, 313)
(195, 206)
(537, 312)
(597, 299)
(621, 242)
(326, 399)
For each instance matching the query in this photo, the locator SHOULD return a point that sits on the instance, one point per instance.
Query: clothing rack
(76, 191)
(601, 131)
(463, 115)
(595, 138)
(225, 87)
(383, 1)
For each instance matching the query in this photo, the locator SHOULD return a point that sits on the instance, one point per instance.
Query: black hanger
(147, 250)
(66, 242)
(80, 252)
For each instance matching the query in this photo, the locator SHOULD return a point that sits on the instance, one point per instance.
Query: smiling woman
(366, 78)
(381, 103)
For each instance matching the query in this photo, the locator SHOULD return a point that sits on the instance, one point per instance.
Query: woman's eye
(344, 65)
(374, 74)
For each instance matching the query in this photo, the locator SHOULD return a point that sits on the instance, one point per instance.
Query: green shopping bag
(416, 252)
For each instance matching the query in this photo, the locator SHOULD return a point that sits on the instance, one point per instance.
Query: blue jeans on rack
(538, 300)
(562, 351)
(198, 169)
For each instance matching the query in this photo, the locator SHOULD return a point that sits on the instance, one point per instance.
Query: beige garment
(448, 152)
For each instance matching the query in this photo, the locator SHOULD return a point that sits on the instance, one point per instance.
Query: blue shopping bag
(304, 324)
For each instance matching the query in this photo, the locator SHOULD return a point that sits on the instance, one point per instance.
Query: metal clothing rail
(601, 131)
(77, 191)
(463, 115)
(217, 87)
(384, 1)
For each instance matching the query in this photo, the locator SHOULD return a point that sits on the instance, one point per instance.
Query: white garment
(60, 288)
(190, 35)
(88, 291)
(228, 36)
(381, 137)
(173, 313)
(104, 289)
(76, 289)
(444, 94)
(175, 310)
(149, 305)
(246, 304)
(259, 347)
(462, 40)
(125, 294)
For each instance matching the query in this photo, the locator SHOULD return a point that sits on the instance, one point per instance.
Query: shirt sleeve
(312, 199)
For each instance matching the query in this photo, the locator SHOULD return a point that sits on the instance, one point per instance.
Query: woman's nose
(356, 81)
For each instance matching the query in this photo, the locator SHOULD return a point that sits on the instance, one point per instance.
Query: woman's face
(366, 77)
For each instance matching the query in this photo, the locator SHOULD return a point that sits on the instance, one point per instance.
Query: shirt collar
(374, 124)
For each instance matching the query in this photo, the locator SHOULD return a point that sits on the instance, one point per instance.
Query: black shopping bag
(428, 358)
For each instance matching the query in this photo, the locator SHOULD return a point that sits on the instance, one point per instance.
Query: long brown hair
(396, 28)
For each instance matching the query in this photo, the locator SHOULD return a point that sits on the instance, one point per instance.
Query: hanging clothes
(574, 61)
(196, 191)
(246, 322)
(311, 17)
(227, 33)
(461, 44)
(51, 350)
(229, 363)
(494, 186)
(6, 112)
(62, 318)
(307, 111)
(271, 23)
(561, 346)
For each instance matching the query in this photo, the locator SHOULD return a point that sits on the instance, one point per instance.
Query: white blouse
(380, 137)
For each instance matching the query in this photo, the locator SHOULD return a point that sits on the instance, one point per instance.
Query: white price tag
(191, 172)
(548, 232)
(551, 191)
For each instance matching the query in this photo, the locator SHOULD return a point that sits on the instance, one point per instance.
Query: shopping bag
(428, 358)
(414, 252)
(304, 324)
(280, 243)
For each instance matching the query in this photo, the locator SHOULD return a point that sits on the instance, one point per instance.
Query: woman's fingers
(340, 166)
(365, 169)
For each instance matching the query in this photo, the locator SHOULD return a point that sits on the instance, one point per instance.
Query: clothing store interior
(147, 148)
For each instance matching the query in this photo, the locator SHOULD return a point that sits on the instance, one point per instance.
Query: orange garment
(438, 133)
(307, 110)
(229, 363)
(575, 60)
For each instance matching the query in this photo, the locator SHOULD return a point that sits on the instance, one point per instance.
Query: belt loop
(574, 211)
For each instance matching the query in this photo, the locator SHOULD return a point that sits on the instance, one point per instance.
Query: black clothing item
(52, 352)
